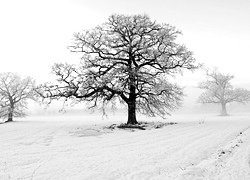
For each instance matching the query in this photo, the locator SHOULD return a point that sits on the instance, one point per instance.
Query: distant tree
(14, 93)
(219, 90)
(127, 58)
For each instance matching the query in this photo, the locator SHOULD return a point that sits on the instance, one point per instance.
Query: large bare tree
(127, 58)
(218, 90)
(14, 93)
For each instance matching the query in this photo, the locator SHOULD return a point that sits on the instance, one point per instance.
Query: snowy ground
(77, 148)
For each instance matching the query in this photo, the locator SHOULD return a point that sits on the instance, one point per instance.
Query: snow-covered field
(79, 148)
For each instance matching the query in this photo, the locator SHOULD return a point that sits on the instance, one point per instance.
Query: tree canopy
(14, 93)
(128, 58)
(219, 90)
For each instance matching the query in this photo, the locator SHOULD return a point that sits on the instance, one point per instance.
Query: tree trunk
(10, 117)
(132, 113)
(132, 95)
(10, 114)
(223, 109)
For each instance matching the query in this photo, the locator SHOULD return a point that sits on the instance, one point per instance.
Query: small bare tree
(14, 93)
(219, 90)
(127, 58)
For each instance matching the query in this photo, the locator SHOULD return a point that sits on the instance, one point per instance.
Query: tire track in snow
(229, 163)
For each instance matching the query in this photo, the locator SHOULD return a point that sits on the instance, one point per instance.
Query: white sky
(34, 34)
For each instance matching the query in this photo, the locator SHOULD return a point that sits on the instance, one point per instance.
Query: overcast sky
(34, 34)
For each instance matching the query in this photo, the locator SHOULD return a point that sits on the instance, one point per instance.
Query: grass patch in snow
(141, 125)
(96, 130)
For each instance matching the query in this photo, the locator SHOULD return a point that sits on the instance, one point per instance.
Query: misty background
(35, 35)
